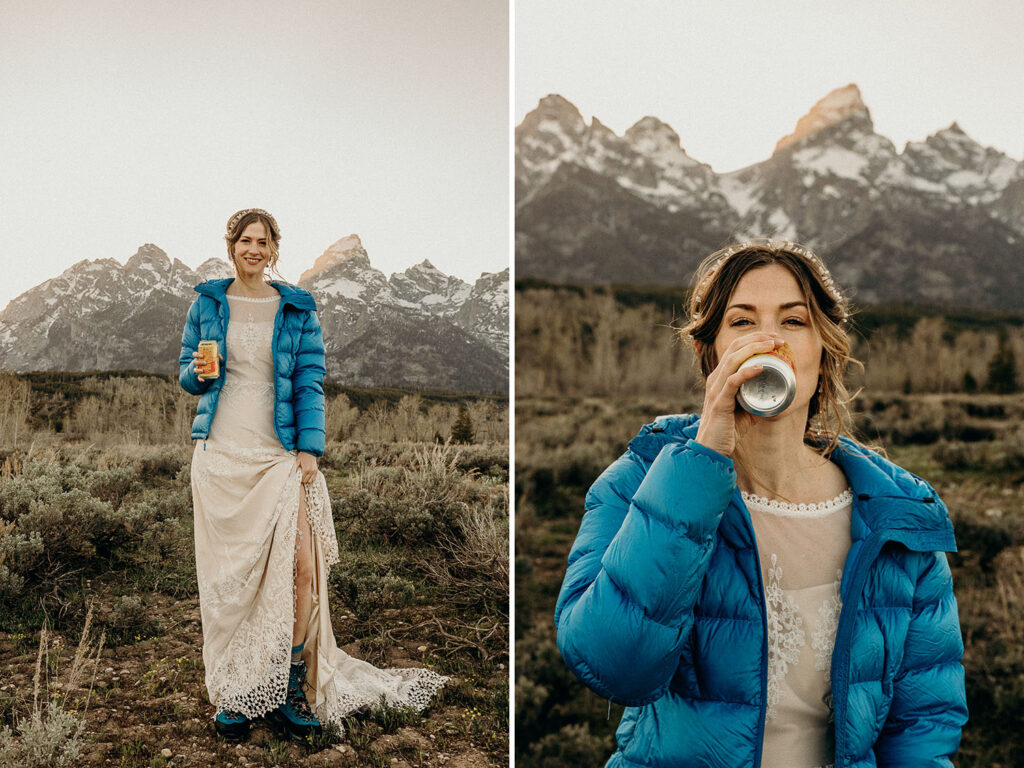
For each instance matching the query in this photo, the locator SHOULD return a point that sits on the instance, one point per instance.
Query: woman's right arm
(636, 568)
(190, 338)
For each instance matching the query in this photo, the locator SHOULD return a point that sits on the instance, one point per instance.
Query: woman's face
(252, 253)
(769, 299)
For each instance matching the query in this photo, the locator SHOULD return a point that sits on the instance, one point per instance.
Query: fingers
(308, 474)
(734, 382)
(738, 352)
(745, 347)
(724, 398)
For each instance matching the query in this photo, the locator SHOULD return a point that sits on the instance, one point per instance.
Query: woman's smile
(252, 249)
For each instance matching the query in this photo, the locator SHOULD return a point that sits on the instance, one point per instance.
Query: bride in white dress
(264, 533)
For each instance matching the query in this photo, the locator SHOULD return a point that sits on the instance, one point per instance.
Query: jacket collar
(290, 294)
(886, 497)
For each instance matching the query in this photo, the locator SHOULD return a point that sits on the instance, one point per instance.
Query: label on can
(211, 359)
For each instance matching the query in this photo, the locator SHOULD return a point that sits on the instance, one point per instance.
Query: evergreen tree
(462, 429)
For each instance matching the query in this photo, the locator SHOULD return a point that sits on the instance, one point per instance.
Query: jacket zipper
(762, 716)
(278, 322)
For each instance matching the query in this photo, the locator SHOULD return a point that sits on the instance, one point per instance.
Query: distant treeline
(601, 340)
(141, 407)
(867, 319)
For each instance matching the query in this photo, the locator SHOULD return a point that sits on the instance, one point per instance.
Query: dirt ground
(148, 708)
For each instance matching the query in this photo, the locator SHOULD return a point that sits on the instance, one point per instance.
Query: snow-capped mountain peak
(839, 105)
(559, 117)
(626, 210)
(214, 269)
(101, 314)
(346, 249)
(656, 140)
(424, 267)
(148, 254)
(967, 169)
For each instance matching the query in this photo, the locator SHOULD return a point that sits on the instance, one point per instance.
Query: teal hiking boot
(294, 717)
(231, 725)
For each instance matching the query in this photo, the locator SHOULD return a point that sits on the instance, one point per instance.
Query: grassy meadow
(100, 636)
(939, 393)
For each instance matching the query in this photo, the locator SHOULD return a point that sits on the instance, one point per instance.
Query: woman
(263, 527)
(765, 591)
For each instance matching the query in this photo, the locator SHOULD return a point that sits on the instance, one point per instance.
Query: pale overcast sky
(732, 77)
(125, 123)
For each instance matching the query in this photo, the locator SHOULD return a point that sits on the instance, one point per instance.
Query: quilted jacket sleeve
(636, 567)
(308, 388)
(190, 338)
(929, 705)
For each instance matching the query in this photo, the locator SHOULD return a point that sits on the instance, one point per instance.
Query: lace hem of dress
(321, 521)
(252, 676)
(412, 688)
(788, 509)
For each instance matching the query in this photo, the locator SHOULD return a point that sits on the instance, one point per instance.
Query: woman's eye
(739, 321)
(794, 321)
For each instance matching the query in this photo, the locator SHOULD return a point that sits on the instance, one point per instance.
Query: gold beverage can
(211, 359)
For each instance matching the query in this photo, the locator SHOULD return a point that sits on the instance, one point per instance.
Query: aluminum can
(771, 392)
(211, 358)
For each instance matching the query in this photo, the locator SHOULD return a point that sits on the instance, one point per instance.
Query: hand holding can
(207, 360)
(722, 421)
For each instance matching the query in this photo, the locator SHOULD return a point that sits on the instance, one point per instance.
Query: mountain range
(940, 222)
(418, 329)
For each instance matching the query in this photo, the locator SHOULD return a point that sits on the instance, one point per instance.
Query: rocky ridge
(939, 222)
(419, 328)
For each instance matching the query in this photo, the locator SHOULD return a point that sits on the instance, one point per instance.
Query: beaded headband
(772, 245)
(233, 221)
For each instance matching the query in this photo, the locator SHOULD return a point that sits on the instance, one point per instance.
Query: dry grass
(588, 344)
(51, 733)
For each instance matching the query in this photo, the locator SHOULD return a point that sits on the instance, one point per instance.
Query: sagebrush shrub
(573, 744)
(43, 740)
(67, 521)
(366, 592)
(419, 502)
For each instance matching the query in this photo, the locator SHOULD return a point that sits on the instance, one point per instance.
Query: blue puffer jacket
(298, 351)
(662, 610)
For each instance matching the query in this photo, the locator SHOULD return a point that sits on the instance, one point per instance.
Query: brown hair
(237, 225)
(828, 414)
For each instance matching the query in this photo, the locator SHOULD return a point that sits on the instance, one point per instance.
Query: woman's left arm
(929, 702)
(308, 388)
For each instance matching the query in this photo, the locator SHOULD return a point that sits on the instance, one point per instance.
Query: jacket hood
(888, 496)
(299, 298)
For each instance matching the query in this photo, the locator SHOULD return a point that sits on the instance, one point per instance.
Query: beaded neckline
(259, 300)
(757, 503)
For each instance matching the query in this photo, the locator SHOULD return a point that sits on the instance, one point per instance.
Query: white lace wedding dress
(245, 491)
